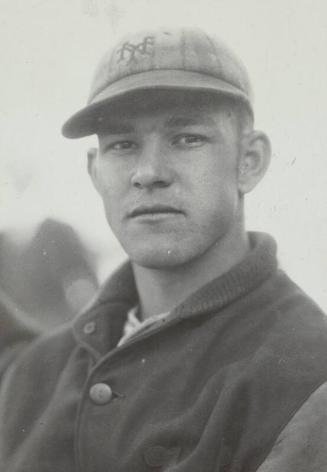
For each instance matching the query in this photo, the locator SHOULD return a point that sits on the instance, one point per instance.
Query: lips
(144, 210)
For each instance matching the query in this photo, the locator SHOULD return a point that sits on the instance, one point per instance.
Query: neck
(162, 289)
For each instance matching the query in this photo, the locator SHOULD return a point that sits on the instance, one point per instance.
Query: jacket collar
(100, 326)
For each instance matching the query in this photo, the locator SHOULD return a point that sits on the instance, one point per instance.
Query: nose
(152, 169)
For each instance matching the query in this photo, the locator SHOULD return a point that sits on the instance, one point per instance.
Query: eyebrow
(123, 127)
(181, 121)
(116, 127)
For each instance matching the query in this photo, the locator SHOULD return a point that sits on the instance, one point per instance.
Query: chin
(155, 261)
(157, 257)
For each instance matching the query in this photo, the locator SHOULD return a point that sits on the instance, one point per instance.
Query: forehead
(170, 110)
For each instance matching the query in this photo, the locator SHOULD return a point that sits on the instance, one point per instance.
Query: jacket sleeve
(16, 331)
(301, 446)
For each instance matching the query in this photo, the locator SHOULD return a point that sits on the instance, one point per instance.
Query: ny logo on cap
(129, 50)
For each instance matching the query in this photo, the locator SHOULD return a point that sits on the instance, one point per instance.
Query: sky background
(48, 52)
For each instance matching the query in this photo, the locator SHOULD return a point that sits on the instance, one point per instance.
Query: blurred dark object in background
(51, 277)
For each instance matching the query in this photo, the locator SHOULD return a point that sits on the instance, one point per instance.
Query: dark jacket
(209, 390)
(16, 331)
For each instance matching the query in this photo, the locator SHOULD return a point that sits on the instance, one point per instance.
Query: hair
(237, 108)
(245, 117)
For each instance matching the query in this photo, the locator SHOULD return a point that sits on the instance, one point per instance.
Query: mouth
(153, 210)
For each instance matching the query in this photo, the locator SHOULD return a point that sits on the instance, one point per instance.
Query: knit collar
(119, 293)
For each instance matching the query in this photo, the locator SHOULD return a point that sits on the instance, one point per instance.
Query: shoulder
(292, 313)
(292, 339)
(284, 371)
(49, 347)
(281, 328)
(28, 386)
(301, 445)
(297, 316)
(40, 363)
(17, 331)
(286, 296)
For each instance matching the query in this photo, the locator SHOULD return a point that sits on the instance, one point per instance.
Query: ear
(254, 160)
(92, 154)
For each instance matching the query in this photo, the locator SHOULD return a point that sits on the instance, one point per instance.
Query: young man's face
(168, 178)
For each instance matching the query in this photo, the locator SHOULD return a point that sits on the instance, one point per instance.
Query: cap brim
(86, 121)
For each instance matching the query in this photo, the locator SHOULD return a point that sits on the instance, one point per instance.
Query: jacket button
(100, 393)
(89, 328)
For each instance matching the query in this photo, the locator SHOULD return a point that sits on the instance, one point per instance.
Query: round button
(89, 327)
(100, 393)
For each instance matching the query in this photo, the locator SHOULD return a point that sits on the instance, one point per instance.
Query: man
(199, 354)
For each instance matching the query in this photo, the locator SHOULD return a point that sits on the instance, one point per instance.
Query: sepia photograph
(163, 228)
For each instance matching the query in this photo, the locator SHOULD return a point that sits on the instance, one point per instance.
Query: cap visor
(85, 121)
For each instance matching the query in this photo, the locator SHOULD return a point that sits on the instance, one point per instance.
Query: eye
(120, 146)
(189, 140)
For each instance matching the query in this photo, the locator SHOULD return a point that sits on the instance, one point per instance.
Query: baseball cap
(166, 59)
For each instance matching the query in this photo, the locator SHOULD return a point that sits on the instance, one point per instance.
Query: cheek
(215, 182)
(111, 193)
(216, 197)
